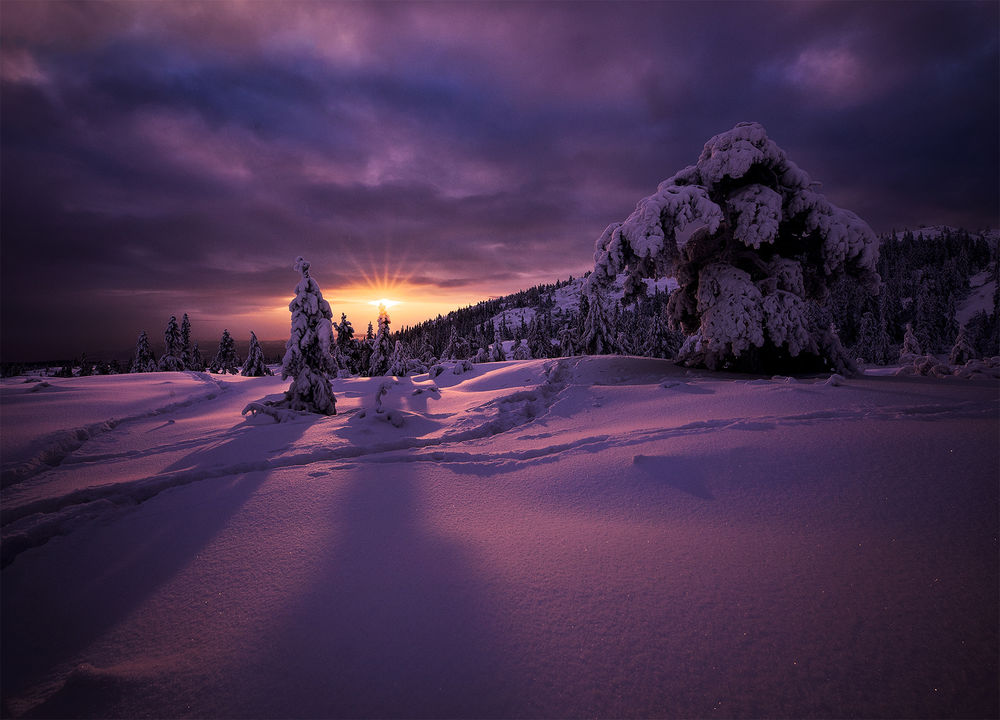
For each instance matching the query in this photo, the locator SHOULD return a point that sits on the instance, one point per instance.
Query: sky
(171, 157)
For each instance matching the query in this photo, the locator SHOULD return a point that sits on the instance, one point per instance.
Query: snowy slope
(980, 297)
(589, 536)
(566, 299)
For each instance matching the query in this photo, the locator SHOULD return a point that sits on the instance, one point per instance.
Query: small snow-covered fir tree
(753, 246)
(308, 360)
(520, 350)
(567, 341)
(496, 349)
(255, 365)
(399, 361)
(173, 344)
(378, 364)
(142, 359)
(962, 351)
(186, 358)
(597, 335)
(451, 347)
(197, 361)
(911, 346)
(661, 341)
(348, 352)
(226, 360)
(873, 340)
(538, 342)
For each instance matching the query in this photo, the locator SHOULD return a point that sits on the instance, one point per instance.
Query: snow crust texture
(593, 536)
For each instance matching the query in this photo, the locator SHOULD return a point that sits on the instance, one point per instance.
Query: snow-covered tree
(399, 361)
(911, 346)
(520, 351)
(307, 359)
(660, 340)
(197, 361)
(142, 358)
(597, 337)
(255, 365)
(873, 340)
(174, 346)
(567, 341)
(226, 360)
(962, 351)
(538, 342)
(752, 244)
(451, 347)
(496, 348)
(186, 357)
(378, 364)
(345, 331)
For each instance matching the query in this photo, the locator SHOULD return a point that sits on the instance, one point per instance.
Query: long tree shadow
(399, 621)
(98, 575)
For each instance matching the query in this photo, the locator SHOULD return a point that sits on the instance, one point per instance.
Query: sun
(384, 301)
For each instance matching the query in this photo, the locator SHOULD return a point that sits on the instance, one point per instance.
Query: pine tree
(197, 361)
(538, 342)
(911, 346)
(226, 360)
(307, 357)
(519, 351)
(962, 351)
(171, 358)
(142, 359)
(255, 365)
(399, 360)
(381, 348)
(873, 340)
(345, 331)
(567, 341)
(451, 347)
(496, 349)
(597, 333)
(186, 357)
(661, 341)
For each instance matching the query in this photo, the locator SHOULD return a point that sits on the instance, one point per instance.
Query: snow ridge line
(63, 443)
(35, 523)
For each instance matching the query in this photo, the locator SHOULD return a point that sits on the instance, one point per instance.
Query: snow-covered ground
(550, 538)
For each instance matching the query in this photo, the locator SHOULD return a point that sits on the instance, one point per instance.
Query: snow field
(589, 536)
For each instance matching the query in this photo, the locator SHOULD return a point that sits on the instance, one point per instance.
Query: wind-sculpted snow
(500, 541)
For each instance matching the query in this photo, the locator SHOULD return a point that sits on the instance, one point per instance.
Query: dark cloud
(159, 158)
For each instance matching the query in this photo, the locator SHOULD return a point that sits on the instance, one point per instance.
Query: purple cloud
(183, 153)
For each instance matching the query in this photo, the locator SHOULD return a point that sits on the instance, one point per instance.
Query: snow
(606, 536)
(980, 297)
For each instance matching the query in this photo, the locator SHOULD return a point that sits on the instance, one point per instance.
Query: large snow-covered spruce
(308, 356)
(754, 247)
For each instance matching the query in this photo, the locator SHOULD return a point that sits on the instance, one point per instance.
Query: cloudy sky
(171, 157)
